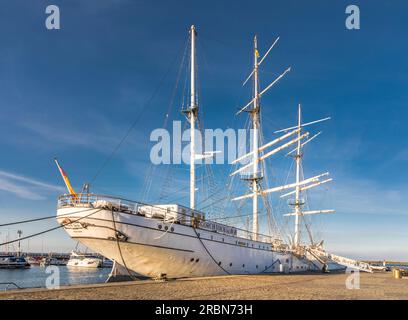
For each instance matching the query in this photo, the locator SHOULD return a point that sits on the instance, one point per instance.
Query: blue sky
(73, 93)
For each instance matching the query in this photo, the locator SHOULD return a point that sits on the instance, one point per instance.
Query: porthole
(172, 229)
(243, 266)
(192, 259)
(166, 228)
(219, 263)
(159, 226)
(252, 245)
(231, 264)
(197, 260)
(222, 239)
(257, 266)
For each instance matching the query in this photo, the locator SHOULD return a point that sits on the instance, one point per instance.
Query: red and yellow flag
(66, 180)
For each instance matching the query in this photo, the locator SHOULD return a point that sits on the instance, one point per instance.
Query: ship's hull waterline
(153, 248)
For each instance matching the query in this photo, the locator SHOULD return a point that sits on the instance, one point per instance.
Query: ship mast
(260, 153)
(298, 159)
(255, 136)
(192, 115)
(256, 152)
(300, 186)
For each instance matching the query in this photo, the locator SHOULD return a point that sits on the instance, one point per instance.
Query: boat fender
(194, 222)
(66, 221)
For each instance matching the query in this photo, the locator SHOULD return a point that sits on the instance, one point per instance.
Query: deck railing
(90, 200)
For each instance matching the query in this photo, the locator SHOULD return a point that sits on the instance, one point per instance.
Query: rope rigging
(51, 229)
(35, 219)
(133, 125)
(152, 168)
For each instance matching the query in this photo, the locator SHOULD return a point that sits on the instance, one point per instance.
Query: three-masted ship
(173, 241)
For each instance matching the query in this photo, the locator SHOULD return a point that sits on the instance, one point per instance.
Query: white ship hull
(181, 251)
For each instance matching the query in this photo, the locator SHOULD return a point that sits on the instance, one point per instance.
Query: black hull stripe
(141, 244)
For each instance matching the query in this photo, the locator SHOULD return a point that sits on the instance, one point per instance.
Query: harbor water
(36, 276)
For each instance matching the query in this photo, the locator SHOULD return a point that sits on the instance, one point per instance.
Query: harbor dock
(266, 287)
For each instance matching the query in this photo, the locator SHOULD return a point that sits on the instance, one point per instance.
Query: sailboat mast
(298, 159)
(19, 232)
(255, 143)
(193, 115)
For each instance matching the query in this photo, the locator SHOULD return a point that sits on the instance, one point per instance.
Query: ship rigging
(171, 240)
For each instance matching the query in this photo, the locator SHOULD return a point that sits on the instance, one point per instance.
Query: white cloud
(364, 196)
(71, 137)
(26, 187)
(29, 180)
(95, 133)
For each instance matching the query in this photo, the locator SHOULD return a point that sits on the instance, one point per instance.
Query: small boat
(50, 261)
(13, 262)
(84, 260)
(33, 260)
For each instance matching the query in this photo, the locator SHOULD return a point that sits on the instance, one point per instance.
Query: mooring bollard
(396, 273)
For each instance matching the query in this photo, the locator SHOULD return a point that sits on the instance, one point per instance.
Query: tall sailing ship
(174, 241)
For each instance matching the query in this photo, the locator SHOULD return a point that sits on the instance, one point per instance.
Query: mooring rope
(277, 260)
(48, 230)
(119, 248)
(215, 261)
(39, 219)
